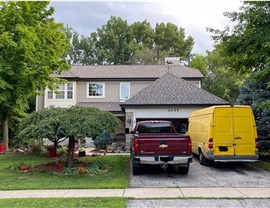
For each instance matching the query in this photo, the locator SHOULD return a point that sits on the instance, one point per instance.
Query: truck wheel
(136, 167)
(183, 170)
(202, 159)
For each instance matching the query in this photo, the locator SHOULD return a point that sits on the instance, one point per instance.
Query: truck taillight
(257, 143)
(210, 143)
(189, 146)
(136, 146)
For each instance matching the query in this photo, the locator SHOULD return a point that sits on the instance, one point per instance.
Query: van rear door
(223, 135)
(244, 132)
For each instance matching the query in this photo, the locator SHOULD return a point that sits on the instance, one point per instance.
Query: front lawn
(64, 202)
(115, 177)
(265, 165)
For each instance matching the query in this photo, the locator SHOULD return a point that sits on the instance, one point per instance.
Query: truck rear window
(155, 128)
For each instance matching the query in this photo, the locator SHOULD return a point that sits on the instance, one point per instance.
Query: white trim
(87, 90)
(121, 91)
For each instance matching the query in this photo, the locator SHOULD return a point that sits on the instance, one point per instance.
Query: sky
(192, 15)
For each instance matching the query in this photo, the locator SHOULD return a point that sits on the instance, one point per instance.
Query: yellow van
(224, 134)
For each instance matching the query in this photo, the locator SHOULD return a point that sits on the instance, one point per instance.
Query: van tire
(136, 167)
(203, 160)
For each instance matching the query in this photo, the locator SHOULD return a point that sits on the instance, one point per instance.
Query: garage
(168, 98)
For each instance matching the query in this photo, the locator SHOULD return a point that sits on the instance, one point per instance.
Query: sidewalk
(142, 193)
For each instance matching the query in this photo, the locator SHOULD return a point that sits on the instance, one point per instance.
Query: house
(134, 92)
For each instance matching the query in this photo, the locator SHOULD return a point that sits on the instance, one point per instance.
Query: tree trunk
(71, 146)
(5, 132)
(55, 148)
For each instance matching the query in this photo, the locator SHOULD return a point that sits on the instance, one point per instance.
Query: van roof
(212, 109)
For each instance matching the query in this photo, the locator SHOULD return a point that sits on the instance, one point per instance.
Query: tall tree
(74, 54)
(113, 42)
(170, 38)
(31, 48)
(117, 42)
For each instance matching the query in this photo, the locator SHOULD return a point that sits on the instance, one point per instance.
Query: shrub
(36, 150)
(264, 146)
(61, 151)
(103, 140)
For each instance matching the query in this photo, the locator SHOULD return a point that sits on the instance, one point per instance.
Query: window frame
(54, 94)
(94, 96)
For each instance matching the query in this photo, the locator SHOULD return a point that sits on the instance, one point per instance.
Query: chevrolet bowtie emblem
(163, 145)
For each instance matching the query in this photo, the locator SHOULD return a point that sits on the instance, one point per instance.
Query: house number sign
(173, 110)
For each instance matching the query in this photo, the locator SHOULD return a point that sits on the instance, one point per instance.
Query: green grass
(116, 177)
(64, 202)
(261, 164)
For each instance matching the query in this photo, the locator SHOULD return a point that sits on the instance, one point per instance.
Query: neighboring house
(134, 92)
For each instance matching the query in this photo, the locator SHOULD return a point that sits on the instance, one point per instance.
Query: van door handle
(237, 137)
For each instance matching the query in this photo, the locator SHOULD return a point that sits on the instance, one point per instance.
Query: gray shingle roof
(172, 90)
(105, 106)
(129, 71)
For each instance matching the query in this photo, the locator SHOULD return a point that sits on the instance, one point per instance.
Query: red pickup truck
(157, 143)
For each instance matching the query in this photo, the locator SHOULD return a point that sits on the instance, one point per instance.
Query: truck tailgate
(168, 144)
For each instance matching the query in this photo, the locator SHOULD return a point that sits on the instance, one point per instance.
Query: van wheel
(202, 159)
(183, 170)
(136, 167)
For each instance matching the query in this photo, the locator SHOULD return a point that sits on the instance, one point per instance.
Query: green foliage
(58, 124)
(45, 123)
(117, 42)
(220, 78)
(31, 48)
(255, 92)
(199, 62)
(264, 147)
(168, 37)
(103, 140)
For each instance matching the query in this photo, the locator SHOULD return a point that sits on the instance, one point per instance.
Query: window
(60, 92)
(50, 94)
(64, 91)
(124, 90)
(69, 90)
(96, 90)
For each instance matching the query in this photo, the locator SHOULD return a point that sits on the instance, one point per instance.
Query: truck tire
(183, 170)
(202, 159)
(136, 167)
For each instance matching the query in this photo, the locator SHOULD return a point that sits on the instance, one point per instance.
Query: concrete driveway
(218, 175)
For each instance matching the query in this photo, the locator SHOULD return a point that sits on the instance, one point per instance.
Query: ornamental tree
(32, 46)
(73, 123)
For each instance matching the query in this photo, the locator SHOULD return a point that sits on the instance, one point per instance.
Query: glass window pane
(69, 95)
(61, 87)
(60, 95)
(50, 94)
(96, 89)
(69, 86)
(124, 90)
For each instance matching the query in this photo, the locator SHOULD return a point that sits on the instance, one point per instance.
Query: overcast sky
(192, 15)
